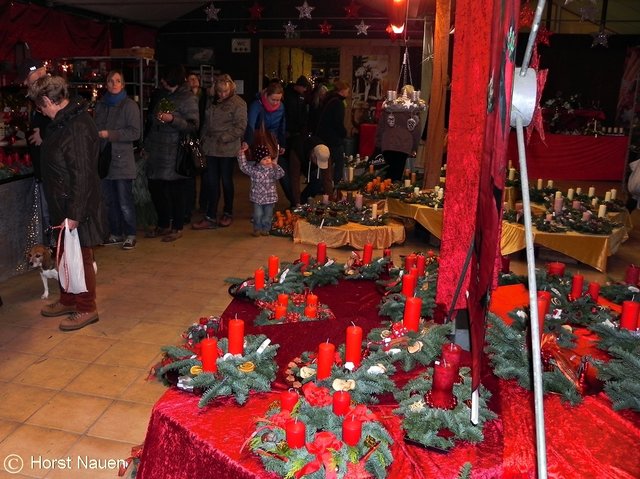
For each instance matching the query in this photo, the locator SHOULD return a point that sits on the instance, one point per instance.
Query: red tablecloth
(569, 157)
(588, 441)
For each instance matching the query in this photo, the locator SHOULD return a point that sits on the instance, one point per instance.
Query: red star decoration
(526, 16)
(256, 11)
(536, 120)
(543, 36)
(252, 28)
(325, 28)
(352, 10)
(392, 35)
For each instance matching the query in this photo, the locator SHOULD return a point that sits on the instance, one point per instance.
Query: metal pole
(533, 303)
(532, 37)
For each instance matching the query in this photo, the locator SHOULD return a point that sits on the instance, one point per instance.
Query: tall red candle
(556, 269)
(408, 285)
(441, 394)
(236, 336)
(576, 286)
(351, 431)
(387, 253)
(296, 434)
(283, 299)
(594, 290)
(420, 264)
(274, 265)
(304, 259)
(411, 318)
(341, 402)
(452, 354)
(310, 311)
(321, 253)
(543, 308)
(632, 275)
(288, 400)
(258, 277)
(209, 354)
(367, 253)
(326, 356)
(353, 348)
(312, 299)
(409, 261)
(629, 316)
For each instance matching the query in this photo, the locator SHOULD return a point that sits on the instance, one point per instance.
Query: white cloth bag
(70, 265)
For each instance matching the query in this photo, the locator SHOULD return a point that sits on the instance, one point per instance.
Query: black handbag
(104, 160)
(189, 160)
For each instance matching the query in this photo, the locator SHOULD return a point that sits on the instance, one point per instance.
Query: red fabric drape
(48, 33)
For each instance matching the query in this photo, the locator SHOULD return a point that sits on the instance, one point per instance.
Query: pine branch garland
(622, 377)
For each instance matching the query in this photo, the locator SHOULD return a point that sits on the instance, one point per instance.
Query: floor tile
(81, 347)
(129, 354)
(19, 402)
(12, 363)
(122, 421)
(104, 381)
(70, 412)
(50, 372)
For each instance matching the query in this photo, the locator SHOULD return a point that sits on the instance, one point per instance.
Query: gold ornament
(342, 385)
(385, 333)
(247, 367)
(415, 347)
(307, 372)
(417, 406)
(195, 370)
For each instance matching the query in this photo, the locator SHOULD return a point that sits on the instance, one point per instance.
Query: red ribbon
(322, 447)
(316, 395)
(136, 452)
(361, 413)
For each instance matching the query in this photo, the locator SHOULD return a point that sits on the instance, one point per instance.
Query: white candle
(558, 194)
(602, 211)
(594, 202)
(539, 183)
(578, 191)
(440, 193)
(350, 174)
(592, 191)
(407, 183)
(442, 179)
(358, 201)
(570, 193)
(607, 196)
(512, 174)
(550, 184)
(374, 211)
(416, 191)
(614, 194)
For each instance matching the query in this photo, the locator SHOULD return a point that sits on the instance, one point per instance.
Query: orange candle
(369, 187)
(311, 311)
(353, 347)
(411, 318)
(594, 290)
(576, 286)
(321, 253)
(296, 434)
(258, 278)
(326, 356)
(236, 336)
(629, 316)
(288, 400)
(209, 354)
(351, 431)
(367, 253)
(274, 265)
(312, 299)
(341, 403)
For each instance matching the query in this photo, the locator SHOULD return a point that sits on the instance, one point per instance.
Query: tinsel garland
(407, 347)
(295, 311)
(237, 375)
(440, 428)
(364, 382)
(324, 455)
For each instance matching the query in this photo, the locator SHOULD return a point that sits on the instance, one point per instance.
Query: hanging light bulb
(398, 15)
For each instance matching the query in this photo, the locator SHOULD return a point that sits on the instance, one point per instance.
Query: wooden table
(352, 234)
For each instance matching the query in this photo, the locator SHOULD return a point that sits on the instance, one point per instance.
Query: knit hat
(260, 152)
(303, 81)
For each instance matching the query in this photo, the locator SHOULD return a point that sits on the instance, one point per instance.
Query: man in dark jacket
(72, 188)
(297, 115)
(332, 131)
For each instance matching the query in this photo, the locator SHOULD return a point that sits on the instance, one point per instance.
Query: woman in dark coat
(72, 187)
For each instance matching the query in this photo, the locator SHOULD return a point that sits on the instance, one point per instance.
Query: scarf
(112, 100)
(268, 107)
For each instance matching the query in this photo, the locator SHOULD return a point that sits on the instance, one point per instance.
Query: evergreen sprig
(622, 377)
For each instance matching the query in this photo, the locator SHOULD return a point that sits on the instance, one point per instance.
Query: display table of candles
(353, 234)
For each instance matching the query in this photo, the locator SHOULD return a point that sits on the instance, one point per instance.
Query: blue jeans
(262, 216)
(121, 208)
(219, 170)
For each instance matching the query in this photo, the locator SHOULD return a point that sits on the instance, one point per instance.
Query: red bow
(322, 447)
(361, 413)
(136, 452)
(317, 396)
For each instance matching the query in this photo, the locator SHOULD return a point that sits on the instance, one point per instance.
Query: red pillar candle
(304, 259)
(408, 285)
(387, 253)
(555, 269)
(441, 394)
(409, 262)
(288, 400)
(312, 299)
(351, 431)
(236, 336)
(506, 265)
(629, 316)
(543, 308)
(452, 354)
(274, 265)
(367, 253)
(341, 403)
(296, 434)
(280, 312)
(326, 355)
(420, 264)
(311, 311)
(594, 290)
(209, 354)
(283, 299)
(321, 253)
(576, 286)
(258, 277)
(353, 348)
(632, 275)
(411, 318)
